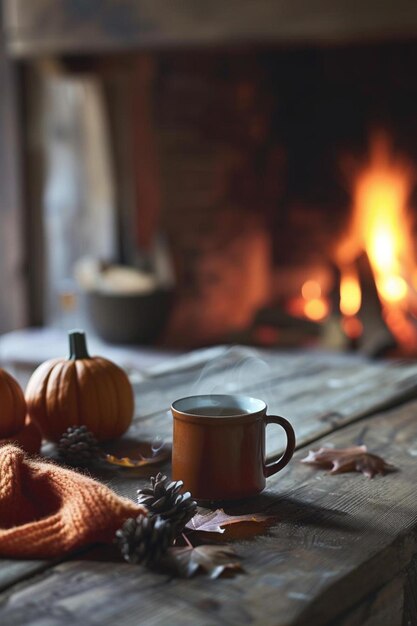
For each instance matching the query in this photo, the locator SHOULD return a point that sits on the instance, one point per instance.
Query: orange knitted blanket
(47, 511)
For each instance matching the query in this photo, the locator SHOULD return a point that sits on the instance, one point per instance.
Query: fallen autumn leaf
(353, 459)
(213, 560)
(215, 521)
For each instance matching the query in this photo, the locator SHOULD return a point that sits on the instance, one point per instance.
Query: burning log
(377, 287)
(376, 338)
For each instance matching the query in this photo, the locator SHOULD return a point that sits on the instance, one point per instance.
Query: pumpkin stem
(77, 345)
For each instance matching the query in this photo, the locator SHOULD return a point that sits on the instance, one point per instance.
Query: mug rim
(258, 409)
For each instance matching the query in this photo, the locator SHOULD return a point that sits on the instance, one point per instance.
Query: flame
(350, 302)
(350, 293)
(382, 227)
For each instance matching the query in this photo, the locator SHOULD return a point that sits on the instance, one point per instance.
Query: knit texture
(47, 511)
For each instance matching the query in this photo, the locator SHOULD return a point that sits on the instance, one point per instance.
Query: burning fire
(382, 228)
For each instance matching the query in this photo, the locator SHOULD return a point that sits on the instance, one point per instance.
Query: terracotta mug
(219, 446)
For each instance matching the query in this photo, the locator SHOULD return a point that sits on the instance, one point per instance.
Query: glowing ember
(311, 289)
(316, 309)
(352, 327)
(313, 304)
(381, 226)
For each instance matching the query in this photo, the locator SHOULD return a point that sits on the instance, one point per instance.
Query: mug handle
(276, 466)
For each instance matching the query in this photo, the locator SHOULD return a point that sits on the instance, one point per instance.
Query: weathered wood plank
(13, 571)
(337, 540)
(410, 594)
(294, 384)
(317, 392)
(385, 606)
(47, 26)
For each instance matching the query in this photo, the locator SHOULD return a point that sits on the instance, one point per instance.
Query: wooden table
(342, 549)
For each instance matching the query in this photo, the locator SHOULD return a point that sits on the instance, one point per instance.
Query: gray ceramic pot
(129, 319)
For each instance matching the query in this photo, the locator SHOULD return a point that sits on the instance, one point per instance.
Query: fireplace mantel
(92, 26)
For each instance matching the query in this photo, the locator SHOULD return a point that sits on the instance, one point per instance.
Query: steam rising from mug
(237, 370)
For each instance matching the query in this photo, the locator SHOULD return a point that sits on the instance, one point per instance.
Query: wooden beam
(13, 308)
(65, 26)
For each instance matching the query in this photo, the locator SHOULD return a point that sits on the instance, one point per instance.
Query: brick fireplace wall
(253, 150)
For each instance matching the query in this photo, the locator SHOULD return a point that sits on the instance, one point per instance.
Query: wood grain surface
(13, 571)
(341, 548)
(335, 541)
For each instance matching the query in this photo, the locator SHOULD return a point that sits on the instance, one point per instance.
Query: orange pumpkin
(15, 425)
(81, 390)
(12, 405)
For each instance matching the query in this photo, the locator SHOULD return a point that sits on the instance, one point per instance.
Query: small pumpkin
(12, 405)
(15, 426)
(80, 390)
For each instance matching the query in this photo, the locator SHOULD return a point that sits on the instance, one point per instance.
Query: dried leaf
(142, 461)
(212, 560)
(354, 459)
(215, 521)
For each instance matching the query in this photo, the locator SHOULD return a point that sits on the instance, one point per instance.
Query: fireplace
(278, 178)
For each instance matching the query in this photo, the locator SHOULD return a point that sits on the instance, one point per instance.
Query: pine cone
(144, 539)
(163, 498)
(78, 447)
